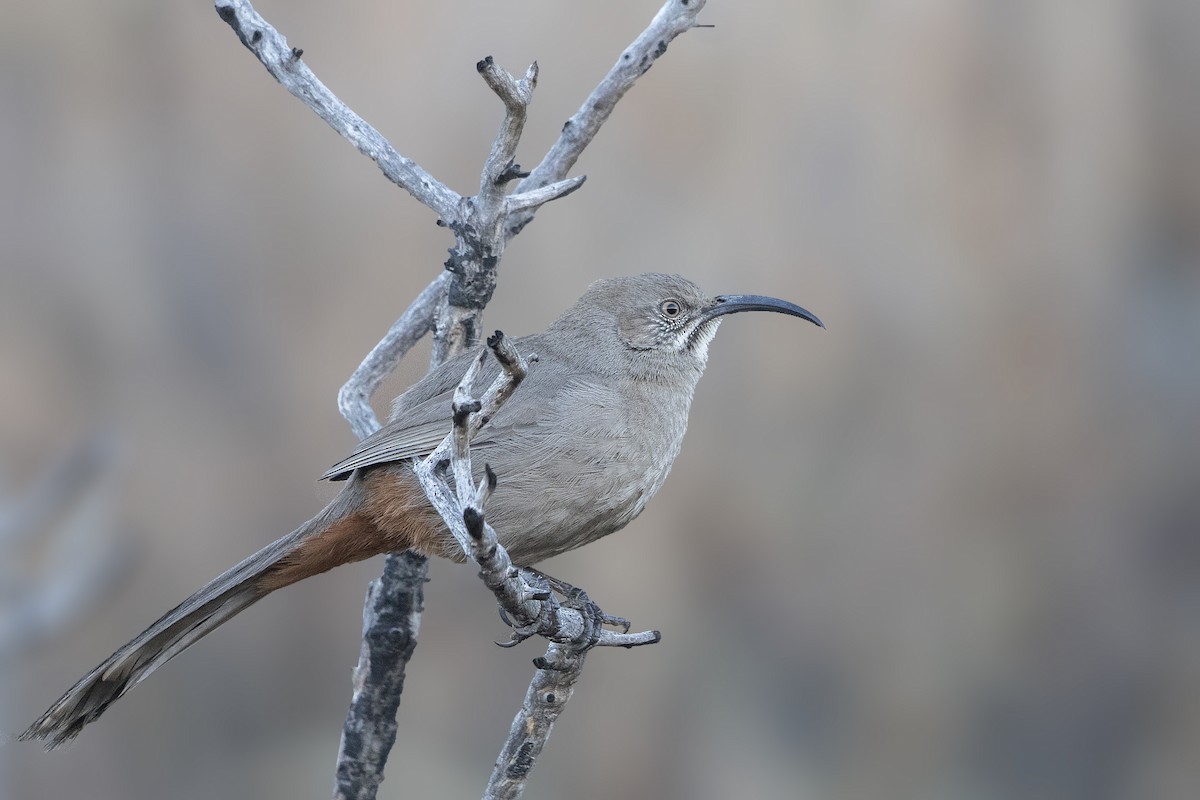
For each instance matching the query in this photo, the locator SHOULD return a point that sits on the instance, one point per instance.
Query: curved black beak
(733, 303)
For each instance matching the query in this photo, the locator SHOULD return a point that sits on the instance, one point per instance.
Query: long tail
(305, 551)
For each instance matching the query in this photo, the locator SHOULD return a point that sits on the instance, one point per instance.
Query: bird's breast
(587, 472)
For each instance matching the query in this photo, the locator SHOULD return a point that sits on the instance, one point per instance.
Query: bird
(582, 445)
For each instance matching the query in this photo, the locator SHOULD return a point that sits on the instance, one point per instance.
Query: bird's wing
(390, 444)
(421, 417)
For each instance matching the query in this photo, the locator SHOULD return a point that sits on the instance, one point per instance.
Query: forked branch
(500, 166)
(452, 307)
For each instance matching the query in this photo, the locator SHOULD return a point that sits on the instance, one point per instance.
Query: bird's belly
(539, 519)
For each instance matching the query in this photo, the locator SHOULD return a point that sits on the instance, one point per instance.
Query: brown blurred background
(948, 549)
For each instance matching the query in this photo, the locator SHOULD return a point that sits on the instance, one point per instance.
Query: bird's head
(665, 322)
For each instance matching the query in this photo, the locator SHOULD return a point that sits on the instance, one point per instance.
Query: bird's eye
(670, 308)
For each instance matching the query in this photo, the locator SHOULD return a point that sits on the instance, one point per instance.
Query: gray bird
(583, 444)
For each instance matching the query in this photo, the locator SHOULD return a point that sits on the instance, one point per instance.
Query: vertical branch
(391, 622)
(500, 166)
(545, 699)
(479, 232)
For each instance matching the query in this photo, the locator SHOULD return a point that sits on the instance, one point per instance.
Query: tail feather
(218, 601)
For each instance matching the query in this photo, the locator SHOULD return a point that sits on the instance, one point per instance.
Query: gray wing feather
(396, 445)
(421, 416)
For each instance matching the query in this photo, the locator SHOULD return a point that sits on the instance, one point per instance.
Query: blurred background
(948, 549)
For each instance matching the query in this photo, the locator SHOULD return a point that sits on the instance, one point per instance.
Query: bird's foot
(545, 619)
(594, 618)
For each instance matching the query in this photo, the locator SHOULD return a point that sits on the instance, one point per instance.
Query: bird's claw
(520, 634)
(544, 621)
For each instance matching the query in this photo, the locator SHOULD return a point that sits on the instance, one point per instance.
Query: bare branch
(354, 399)
(391, 621)
(285, 64)
(516, 95)
(479, 231)
(456, 326)
(674, 18)
(545, 699)
(516, 367)
(534, 199)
